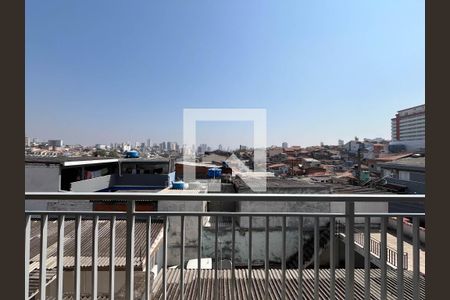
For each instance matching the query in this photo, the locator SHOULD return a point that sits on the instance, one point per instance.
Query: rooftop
(307, 159)
(83, 160)
(63, 160)
(279, 165)
(241, 287)
(391, 157)
(143, 159)
(196, 164)
(274, 182)
(86, 247)
(416, 163)
(417, 106)
(86, 241)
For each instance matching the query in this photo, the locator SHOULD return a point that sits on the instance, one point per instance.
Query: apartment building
(408, 128)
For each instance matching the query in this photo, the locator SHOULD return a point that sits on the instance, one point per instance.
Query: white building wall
(41, 178)
(174, 229)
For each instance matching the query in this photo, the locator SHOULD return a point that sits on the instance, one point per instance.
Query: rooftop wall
(108, 181)
(94, 184)
(413, 186)
(40, 178)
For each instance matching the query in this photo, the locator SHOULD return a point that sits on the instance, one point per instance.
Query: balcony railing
(234, 283)
(375, 247)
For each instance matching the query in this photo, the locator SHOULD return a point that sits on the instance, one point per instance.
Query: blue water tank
(214, 172)
(178, 185)
(132, 154)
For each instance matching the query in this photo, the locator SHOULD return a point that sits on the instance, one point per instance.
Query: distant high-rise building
(149, 143)
(220, 148)
(27, 141)
(408, 128)
(55, 143)
(284, 145)
(202, 148)
(340, 143)
(409, 124)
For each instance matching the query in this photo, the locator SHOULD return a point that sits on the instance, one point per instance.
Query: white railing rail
(130, 215)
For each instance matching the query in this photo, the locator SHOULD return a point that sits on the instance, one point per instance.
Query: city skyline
(323, 72)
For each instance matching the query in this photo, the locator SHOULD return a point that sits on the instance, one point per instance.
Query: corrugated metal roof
(391, 157)
(409, 162)
(34, 280)
(86, 243)
(82, 297)
(275, 284)
(353, 189)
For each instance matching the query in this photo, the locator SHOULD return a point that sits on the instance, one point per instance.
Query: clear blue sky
(106, 71)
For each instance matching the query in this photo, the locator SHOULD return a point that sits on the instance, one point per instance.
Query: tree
(114, 154)
(101, 153)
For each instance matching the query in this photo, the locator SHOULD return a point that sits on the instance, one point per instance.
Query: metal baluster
(349, 250)
(112, 259)
(266, 262)
(316, 258)
(77, 257)
(233, 245)
(332, 258)
(367, 257)
(94, 257)
(148, 261)
(182, 259)
(199, 255)
(249, 282)
(165, 258)
(300, 258)
(416, 258)
(283, 259)
(383, 255)
(43, 257)
(27, 255)
(400, 284)
(216, 253)
(60, 258)
(129, 279)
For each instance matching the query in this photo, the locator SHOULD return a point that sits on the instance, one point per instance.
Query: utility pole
(358, 159)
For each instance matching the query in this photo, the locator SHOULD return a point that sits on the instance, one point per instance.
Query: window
(403, 175)
(387, 173)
